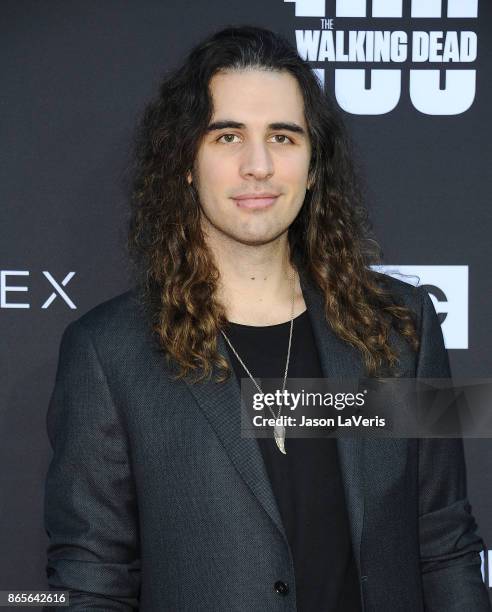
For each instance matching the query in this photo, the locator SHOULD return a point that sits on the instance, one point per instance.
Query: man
(252, 259)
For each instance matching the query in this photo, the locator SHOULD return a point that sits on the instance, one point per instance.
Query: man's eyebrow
(287, 126)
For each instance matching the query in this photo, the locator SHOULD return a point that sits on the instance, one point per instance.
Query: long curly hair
(331, 236)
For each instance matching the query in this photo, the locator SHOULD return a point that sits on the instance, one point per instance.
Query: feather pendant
(279, 435)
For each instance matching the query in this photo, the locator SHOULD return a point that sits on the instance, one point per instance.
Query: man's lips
(260, 200)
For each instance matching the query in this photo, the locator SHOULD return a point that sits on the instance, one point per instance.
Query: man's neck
(255, 283)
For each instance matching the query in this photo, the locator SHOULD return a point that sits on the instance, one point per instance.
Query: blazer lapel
(222, 405)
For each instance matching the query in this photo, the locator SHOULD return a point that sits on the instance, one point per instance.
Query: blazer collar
(222, 405)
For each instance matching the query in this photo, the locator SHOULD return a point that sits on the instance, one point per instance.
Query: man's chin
(250, 234)
(257, 238)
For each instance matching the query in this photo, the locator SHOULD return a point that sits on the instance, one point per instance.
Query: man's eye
(283, 139)
(227, 138)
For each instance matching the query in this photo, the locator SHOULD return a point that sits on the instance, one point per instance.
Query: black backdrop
(75, 74)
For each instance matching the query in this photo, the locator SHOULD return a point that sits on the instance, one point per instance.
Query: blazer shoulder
(121, 316)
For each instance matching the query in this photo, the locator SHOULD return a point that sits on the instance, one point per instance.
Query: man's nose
(256, 161)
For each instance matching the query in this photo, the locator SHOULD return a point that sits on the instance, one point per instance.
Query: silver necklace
(278, 430)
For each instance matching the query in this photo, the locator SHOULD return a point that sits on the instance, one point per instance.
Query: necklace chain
(279, 432)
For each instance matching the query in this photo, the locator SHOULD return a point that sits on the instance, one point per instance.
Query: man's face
(257, 145)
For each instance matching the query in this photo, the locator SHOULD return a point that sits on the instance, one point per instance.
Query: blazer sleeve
(449, 544)
(90, 510)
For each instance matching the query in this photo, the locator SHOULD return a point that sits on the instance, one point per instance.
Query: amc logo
(9, 283)
(447, 287)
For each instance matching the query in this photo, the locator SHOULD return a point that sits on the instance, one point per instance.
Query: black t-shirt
(307, 481)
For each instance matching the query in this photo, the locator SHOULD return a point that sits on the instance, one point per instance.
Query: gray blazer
(155, 502)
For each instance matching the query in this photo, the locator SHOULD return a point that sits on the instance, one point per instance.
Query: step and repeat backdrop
(412, 79)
